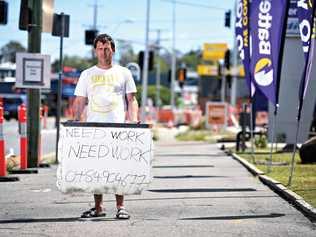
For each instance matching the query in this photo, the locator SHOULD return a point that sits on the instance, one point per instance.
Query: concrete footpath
(197, 190)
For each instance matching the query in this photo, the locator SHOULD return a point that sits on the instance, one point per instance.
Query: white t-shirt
(105, 90)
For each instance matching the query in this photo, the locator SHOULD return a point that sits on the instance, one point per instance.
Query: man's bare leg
(121, 211)
(119, 201)
(98, 198)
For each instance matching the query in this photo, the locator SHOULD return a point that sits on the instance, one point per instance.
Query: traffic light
(150, 61)
(227, 18)
(169, 76)
(90, 36)
(229, 80)
(219, 69)
(227, 59)
(141, 59)
(182, 75)
(25, 15)
(3, 13)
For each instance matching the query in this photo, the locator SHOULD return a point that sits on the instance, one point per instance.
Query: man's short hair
(104, 38)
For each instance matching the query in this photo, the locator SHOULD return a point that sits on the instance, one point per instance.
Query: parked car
(10, 107)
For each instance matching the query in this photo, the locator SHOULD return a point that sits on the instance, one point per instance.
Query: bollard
(23, 137)
(39, 156)
(22, 117)
(3, 164)
(39, 159)
(45, 115)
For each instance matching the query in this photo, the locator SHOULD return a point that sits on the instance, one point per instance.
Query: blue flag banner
(305, 17)
(268, 22)
(243, 41)
(306, 14)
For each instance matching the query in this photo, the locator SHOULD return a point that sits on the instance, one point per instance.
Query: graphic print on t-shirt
(105, 93)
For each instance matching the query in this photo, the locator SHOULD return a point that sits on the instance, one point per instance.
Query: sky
(197, 22)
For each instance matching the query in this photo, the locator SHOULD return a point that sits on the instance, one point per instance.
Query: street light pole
(60, 83)
(33, 95)
(223, 87)
(233, 92)
(145, 66)
(173, 63)
(158, 71)
(95, 14)
(94, 27)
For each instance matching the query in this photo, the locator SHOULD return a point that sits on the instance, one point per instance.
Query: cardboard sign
(104, 158)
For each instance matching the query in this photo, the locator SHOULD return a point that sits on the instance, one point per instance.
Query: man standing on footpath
(109, 91)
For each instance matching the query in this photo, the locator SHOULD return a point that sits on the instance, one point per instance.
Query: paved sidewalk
(197, 191)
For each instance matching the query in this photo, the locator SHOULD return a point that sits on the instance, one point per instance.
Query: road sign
(216, 114)
(135, 70)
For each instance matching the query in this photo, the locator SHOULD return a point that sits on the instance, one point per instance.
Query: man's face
(104, 53)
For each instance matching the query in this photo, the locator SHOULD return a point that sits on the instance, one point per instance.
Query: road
(12, 141)
(197, 190)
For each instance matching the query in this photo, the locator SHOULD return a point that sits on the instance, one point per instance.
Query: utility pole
(60, 83)
(95, 14)
(173, 63)
(33, 95)
(94, 26)
(145, 66)
(223, 86)
(158, 71)
(234, 76)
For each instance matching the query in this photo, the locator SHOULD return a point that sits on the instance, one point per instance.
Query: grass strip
(304, 178)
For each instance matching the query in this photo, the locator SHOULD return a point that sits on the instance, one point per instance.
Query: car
(10, 107)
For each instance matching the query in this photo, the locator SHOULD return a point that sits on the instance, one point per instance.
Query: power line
(196, 5)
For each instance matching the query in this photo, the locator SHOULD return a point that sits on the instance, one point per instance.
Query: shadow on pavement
(185, 155)
(48, 220)
(202, 190)
(188, 177)
(272, 215)
(182, 166)
(164, 198)
(73, 219)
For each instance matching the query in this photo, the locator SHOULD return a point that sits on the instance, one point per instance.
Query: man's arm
(78, 107)
(132, 107)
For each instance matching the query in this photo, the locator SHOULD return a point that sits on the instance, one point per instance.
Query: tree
(127, 54)
(151, 93)
(191, 59)
(164, 60)
(8, 51)
(73, 61)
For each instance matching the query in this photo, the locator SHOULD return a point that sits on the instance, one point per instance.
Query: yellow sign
(207, 70)
(241, 71)
(214, 52)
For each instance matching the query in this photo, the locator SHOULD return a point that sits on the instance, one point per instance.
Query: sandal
(122, 214)
(92, 214)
